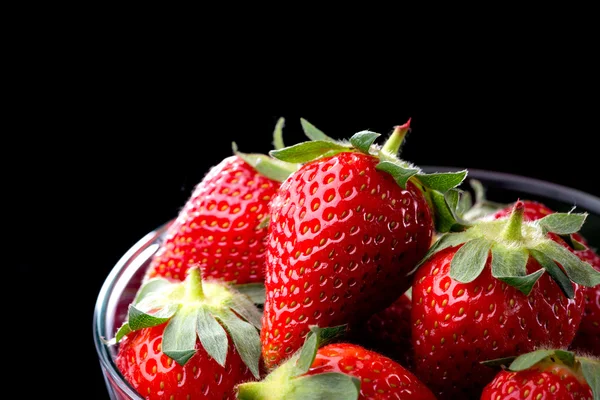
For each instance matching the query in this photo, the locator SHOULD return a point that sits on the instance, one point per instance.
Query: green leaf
(573, 243)
(244, 307)
(255, 291)
(524, 283)
(326, 386)
(443, 181)
(363, 140)
(151, 286)
(498, 362)
(125, 329)
(139, 319)
(278, 134)
(445, 218)
(459, 200)
(562, 223)
(400, 174)
(313, 133)
(577, 270)
(567, 357)
(528, 360)
(179, 337)
(328, 334)
(557, 274)
(308, 353)
(469, 260)
(245, 338)
(508, 262)
(576, 244)
(444, 241)
(274, 169)
(591, 372)
(316, 338)
(212, 336)
(478, 190)
(308, 151)
(510, 266)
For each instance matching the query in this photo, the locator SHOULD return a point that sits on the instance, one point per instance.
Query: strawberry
(342, 371)
(545, 375)
(345, 229)
(219, 227)
(388, 331)
(188, 339)
(482, 294)
(587, 338)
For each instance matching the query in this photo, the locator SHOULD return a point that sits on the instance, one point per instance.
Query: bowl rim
(533, 186)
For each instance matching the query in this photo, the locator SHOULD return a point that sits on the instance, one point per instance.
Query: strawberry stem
(513, 229)
(193, 284)
(392, 145)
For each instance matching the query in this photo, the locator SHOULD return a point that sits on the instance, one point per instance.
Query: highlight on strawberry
(499, 288)
(345, 230)
(190, 338)
(325, 368)
(543, 375)
(221, 227)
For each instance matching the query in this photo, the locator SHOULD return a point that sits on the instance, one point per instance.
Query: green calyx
(587, 367)
(289, 382)
(433, 186)
(268, 166)
(511, 242)
(209, 311)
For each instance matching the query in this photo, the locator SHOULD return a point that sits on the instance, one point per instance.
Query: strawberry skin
(389, 332)
(587, 338)
(381, 377)
(457, 325)
(156, 376)
(342, 238)
(218, 227)
(553, 382)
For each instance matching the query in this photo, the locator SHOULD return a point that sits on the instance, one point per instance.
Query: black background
(122, 136)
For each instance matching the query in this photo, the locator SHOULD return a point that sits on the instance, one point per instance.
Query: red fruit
(341, 371)
(154, 375)
(483, 294)
(219, 227)
(380, 376)
(389, 332)
(189, 339)
(545, 375)
(343, 236)
(587, 338)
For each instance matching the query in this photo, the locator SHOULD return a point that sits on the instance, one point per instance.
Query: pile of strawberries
(334, 269)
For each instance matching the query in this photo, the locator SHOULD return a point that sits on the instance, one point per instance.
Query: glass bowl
(121, 284)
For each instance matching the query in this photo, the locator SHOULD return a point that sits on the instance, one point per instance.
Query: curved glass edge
(499, 179)
(99, 319)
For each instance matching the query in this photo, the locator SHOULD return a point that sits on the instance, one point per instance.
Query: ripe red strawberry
(546, 375)
(482, 294)
(587, 338)
(341, 371)
(389, 332)
(345, 230)
(189, 339)
(219, 227)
